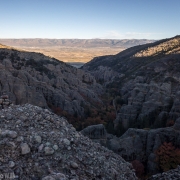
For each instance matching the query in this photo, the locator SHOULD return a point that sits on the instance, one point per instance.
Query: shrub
(139, 168)
(167, 156)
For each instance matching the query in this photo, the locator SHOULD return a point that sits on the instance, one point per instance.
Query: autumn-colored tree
(96, 113)
(167, 156)
(139, 168)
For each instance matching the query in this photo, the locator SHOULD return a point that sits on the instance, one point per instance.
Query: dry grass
(5, 47)
(73, 54)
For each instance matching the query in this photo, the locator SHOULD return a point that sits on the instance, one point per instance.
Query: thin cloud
(138, 33)
(113, 34)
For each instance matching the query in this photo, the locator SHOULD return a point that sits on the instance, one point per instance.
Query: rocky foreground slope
(146, 80)
(37, 144)
(46, 82)
(172, 174)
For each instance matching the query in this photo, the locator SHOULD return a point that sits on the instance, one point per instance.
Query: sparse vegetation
(139, 168)
(167, 156)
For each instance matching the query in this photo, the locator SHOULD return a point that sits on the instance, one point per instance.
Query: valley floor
(73, 54)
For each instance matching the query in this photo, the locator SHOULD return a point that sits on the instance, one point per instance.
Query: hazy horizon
(85, 38)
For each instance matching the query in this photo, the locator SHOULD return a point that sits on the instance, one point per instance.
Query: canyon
(128, 103)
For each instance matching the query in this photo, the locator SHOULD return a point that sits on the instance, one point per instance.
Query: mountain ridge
(74, 42)
(73, 50)
(127, 61)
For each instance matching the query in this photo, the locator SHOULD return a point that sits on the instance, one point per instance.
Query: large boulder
(95, 132)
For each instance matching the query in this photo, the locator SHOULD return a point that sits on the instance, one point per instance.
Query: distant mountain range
(85, 43)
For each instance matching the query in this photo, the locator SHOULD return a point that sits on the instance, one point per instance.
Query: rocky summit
(37, 144)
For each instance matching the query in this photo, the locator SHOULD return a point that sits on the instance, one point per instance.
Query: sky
(89, 19)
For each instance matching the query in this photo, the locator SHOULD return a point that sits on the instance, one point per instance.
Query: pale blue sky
(85, 19)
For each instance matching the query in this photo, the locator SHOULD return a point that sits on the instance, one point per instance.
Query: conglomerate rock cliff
(142, 145)
(37, 144)
(146, 79)
(46, 82)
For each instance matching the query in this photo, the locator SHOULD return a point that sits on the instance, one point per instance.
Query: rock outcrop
(141, 145)
(95, 132)
(46, 82)
(137, 144)
(98, 133)
(4, 101)
(37, 144)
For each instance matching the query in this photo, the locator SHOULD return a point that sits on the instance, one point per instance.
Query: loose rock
(60, 153)
(25, 148)
(48, 151)
(74, 165)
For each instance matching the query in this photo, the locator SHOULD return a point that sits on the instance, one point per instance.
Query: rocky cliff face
(146, 78)
(40, 80)
(37, 144)
(142, 145)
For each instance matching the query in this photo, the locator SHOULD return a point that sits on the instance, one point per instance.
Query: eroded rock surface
(95, 132)
(46, 82)
(141, 145)
(146, 78)
(137, 144)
